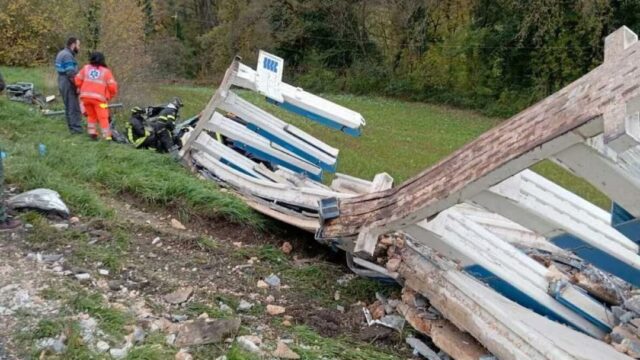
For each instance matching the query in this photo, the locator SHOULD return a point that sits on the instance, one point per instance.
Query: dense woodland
(494, 55)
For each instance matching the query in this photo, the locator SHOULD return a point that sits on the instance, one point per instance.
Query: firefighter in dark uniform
(155, 131)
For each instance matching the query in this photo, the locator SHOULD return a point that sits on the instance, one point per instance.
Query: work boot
(10, 224)
(93, 137)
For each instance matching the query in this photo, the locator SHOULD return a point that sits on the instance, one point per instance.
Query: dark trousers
(71, 104)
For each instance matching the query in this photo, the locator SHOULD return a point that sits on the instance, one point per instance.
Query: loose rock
(248, 345)
(102, 346)
(262, 285)
(115, 285)
(275, 310)
(170, 339)
(282, 351)
(177, 225)
(253, 338)
(83, 276)
(633, 303)
(179, 296)
(377, 310)
(118, 353)
(393, 264)
(179, 317)
(244, 305)
(206, 331)
(286, 248)
(138, 335)
(272, 280)
(183, 355)
(60, 226)
(225, 308)
(55, 345)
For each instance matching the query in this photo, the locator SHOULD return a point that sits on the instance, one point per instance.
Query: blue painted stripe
(267, 157)
(625, 223)
(234, 166)
(317, 118)
(602, 326)
(65, 66)
(598, 258)
(619, 214)
(630, 229)
(514, 294)
(310, 158)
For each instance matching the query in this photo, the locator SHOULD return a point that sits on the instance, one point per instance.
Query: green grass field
(401, 138)
(82, 171)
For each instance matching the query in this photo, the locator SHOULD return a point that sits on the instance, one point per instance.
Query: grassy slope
(80, 169)
(401, 138)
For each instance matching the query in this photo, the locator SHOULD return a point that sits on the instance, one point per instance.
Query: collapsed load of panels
(279, 166)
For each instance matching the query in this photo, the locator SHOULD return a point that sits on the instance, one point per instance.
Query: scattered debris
(40, 199)
(391, 321)
(376, 310)
(103, 272)
(179, 296)
(155, 240)
(262, 284)
(420, 348)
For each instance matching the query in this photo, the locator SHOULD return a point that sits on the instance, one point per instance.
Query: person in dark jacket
(67, 68)
(155, 131)
(5, 222)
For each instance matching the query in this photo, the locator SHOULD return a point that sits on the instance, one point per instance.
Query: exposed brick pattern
(600, 91)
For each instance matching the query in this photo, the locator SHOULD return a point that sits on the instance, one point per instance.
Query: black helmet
(177, 102)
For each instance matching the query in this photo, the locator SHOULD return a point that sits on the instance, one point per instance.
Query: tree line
(494, 55)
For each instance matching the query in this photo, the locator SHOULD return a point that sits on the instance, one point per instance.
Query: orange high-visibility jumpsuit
(97, 86)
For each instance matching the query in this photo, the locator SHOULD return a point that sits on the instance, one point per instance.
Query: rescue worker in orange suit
(97, 87)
